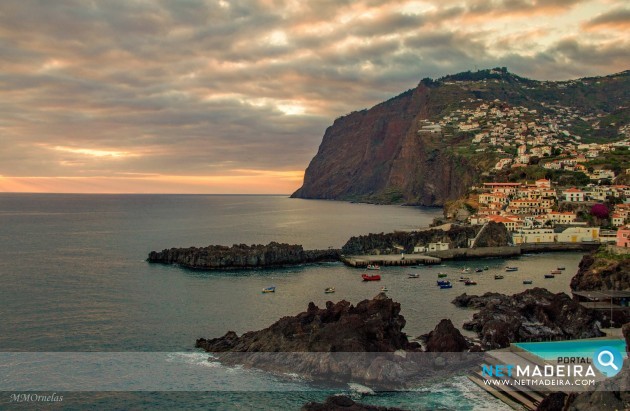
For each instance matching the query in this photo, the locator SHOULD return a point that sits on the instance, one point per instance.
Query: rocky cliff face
(216, 257)
(601, 273)
(533, 315)
(378, 155)
(445, 338)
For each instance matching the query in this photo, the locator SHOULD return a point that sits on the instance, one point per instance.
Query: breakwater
(241, 256)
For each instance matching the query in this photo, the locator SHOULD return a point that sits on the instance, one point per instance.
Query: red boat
(374, 277)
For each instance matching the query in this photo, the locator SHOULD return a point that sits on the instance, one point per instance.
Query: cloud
(120, 88)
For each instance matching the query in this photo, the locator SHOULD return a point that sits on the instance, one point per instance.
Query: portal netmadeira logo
(564, 371)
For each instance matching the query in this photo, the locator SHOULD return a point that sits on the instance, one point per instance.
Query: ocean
(74, 279)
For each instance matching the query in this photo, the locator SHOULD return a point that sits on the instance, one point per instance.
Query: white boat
(329, 290)
(413, 275)
(373, 267)
(271, 289)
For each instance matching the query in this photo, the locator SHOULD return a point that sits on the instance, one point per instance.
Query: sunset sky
(194, 96)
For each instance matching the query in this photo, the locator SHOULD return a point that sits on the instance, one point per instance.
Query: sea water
(73, 278)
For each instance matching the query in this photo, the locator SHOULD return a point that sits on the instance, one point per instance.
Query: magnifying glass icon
(610, 362)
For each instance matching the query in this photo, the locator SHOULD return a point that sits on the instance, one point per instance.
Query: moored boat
(367, 277)
(373, 267)
(442, 275)
(443, 282)
(462, 279)
(271, 289)
(550, 276)
(556, 272)
(486, 268)
(498, 277)
(508, 268)
(449, 285)
(528, 282)
(465, 270)
(478, 270)
(383, 289)
(413, 275)
(329, 290)
(561, 268)
(470, 282)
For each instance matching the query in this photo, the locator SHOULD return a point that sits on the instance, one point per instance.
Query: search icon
(608, 361)
(611, 359)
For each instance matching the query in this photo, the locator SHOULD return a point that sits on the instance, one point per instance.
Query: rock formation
(533, 315)
(217, 257)
(597, 272)
(344, 403)
(445, 338)
(372, 326)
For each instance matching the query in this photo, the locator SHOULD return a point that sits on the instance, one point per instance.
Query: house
(573, 194)
(617, 219)
(535, 235)
(577, 234)
(623, 236)
(439, 246)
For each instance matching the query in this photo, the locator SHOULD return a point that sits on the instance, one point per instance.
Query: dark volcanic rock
(372, 326)
(533, 315)
(217, 257)
(457, 237)
(493, 235)
(599, 273)
(342, 402)
(445, 338)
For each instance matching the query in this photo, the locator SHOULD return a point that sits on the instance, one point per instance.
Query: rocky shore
(598, 271)
(533, 315)
(241, 256)
(342, 343)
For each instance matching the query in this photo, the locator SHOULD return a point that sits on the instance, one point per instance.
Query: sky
(194, 96)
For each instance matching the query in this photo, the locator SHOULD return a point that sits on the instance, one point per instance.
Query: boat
(556, 272)
(383, 289)
(561, 268)
(464, 278)
(443, 282)
(413, 275)
(508, 268)
(486, 268)
(271, 289)
(470, 282)
(478, 270)
(449, 285)
(442, 275)
(373, 267)
(329, 290)
(528, 282)
(550, 276)
(367, 277)
(498, 277)
(465, 270)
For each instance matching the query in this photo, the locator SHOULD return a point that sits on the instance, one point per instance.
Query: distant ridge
(415, 149)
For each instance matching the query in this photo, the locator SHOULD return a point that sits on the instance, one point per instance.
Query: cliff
(217, 257)
(533, 315)
(411, 149)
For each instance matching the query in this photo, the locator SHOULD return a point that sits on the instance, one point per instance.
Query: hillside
(429, 144)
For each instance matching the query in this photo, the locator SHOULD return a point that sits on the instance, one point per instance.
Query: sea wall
(471, 253)
(241, 256)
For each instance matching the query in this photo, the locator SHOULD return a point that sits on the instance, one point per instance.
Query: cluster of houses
(528, 211)
(498, 127)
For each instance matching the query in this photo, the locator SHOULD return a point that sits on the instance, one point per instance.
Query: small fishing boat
(413, 275)
(329, 290)
(556, 272)
(486, 268)
(528, 282)
(550, 276)
(498, 277)
(271, 289)
(367, 277)
(561, 268)
(470, 282)
(373, 267)
(508, 268)
(449, 285)
(442, 275)
(384, 289)
(479, 270)
(465, 270)
(443, 282)
(462, 279)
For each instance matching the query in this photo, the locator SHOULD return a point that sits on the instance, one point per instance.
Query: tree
(600, 211)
